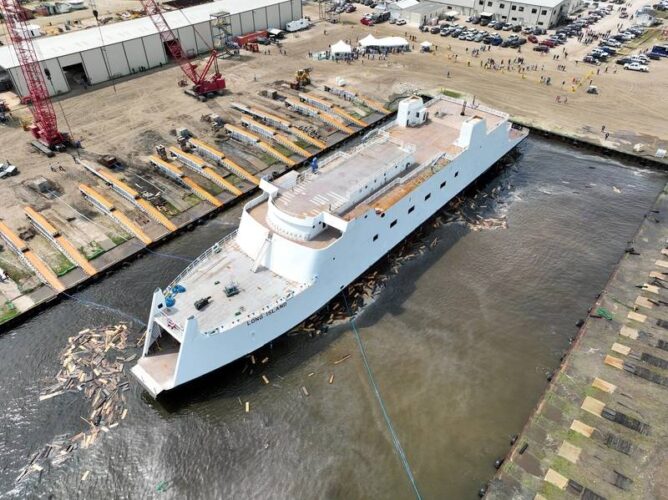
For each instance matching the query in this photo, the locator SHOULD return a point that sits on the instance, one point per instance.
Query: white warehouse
(124, 48)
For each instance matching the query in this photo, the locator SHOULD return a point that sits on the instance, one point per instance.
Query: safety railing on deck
(214, 248)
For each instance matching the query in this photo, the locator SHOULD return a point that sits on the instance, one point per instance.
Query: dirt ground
(129, 117)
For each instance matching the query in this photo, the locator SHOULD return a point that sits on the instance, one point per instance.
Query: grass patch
(170, 210)
(92, 250)
(191, 198)
(15, 273)
(62, 265)
(283, 150)
(644, 38)
(7, 312)
(119, 239)
(452, 93)
(302, 143)
(550, 491)
(235, 179)
(214, 189)
(268, 159)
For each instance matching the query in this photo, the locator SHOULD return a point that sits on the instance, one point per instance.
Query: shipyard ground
(600, 429)
(132, 115)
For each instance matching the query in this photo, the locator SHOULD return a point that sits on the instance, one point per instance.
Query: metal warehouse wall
(121, 59)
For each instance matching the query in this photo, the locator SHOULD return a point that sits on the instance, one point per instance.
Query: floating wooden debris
(92, 363)
(341, 360)
(305, 391)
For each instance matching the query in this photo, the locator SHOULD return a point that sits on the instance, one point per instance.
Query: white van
(299, 24)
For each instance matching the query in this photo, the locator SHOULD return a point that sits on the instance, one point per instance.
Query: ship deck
(337, 180)
(258, 290)
(442, 129)
(331, 186)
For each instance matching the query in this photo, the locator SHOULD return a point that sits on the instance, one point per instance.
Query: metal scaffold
(223, 39)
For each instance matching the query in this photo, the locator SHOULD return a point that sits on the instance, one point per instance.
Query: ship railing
(171, 324)
(216, 247)
(259, 312)
(474, 106)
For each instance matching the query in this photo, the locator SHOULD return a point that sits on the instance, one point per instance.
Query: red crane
(203, 85)
(45, 124)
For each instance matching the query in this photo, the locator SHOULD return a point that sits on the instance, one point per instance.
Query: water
(460, 343)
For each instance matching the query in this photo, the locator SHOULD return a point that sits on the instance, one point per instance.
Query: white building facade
(543, 13)
(134, 46)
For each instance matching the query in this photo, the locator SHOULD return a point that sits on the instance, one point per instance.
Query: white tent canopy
(388, 41)
(452, 13)
(341, 47)
(426, 44)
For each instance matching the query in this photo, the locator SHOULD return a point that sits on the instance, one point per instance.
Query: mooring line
(386, 415)
(107, 308)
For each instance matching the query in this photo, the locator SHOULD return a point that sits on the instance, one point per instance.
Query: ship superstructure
(310, 234)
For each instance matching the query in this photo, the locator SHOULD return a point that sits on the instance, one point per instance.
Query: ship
(309, 234)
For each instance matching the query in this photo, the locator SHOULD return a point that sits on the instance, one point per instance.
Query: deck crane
(204, 85)
(45, 124)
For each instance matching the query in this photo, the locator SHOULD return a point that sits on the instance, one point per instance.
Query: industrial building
(543, 13)
(95, 55)
(419, 13)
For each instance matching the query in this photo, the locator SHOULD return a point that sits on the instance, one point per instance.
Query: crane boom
(202, 84)
(45, 126)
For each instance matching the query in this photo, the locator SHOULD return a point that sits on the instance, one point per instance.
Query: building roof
(87, 39)
(472, 4)
(403, 4)
(425, 7)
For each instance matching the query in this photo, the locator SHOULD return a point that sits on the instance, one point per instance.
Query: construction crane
(203, 85)
(45, 124)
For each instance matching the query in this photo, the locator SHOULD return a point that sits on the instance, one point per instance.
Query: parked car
(367, 21)
(532, 38)
(547, 43)
(541, 48)
(435, 29)
(635, 66)
(401, 22)
(8, 170)
(591, 60)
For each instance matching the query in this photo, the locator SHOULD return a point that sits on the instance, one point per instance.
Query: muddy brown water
(460, 342)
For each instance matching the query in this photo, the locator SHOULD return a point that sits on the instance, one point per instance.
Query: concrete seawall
(600, 429)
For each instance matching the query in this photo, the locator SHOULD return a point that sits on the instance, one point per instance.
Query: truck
(8, 170)
(298, 25)
(381, 17)
(660, 50)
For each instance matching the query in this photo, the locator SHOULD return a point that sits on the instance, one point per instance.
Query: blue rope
(386, 416)
(106, 308)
